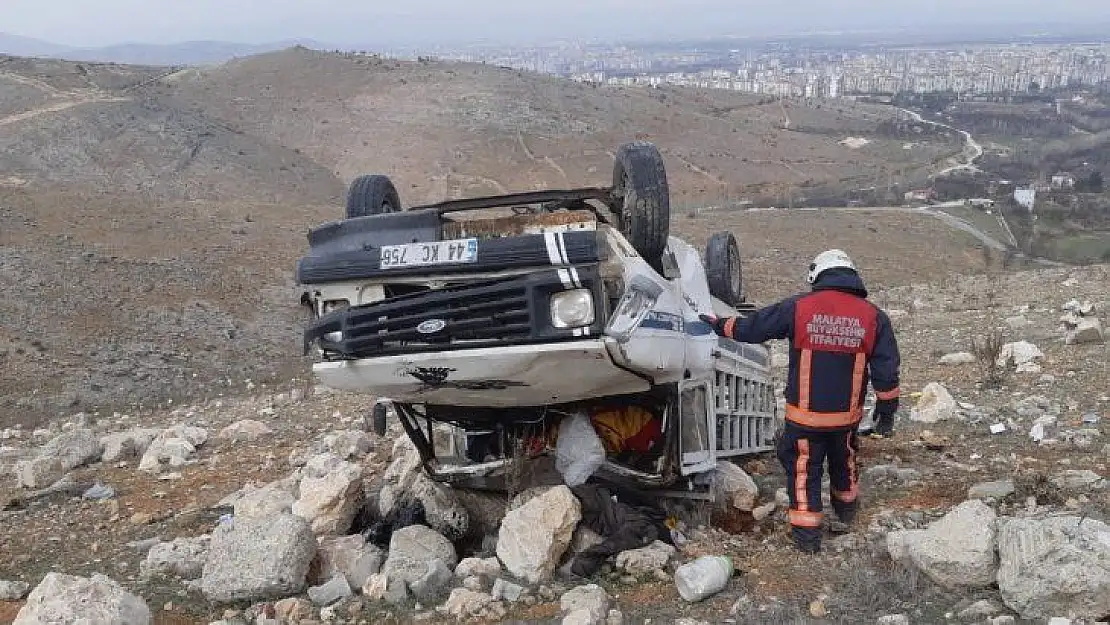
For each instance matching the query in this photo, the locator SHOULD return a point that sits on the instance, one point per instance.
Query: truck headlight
(633, 307)
(572, 309)
(334, 337)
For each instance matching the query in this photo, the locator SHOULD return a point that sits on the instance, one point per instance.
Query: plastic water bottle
(704, 577)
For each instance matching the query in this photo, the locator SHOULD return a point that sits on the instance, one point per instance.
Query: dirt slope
(778, 245)
(64, 124)
(118, 307)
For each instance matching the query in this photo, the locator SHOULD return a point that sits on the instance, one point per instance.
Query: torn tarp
(623, 525)
(578, 452)
(379, 532)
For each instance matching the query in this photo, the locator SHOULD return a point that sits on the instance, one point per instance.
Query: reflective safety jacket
(840, 342)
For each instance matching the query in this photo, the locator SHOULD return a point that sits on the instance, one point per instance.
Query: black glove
(717, 323)
(884, 417)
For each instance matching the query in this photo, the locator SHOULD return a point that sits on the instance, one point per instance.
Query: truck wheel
(640, 179)
(372, 195)
(723, 268)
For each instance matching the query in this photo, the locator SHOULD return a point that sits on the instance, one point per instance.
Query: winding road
(60, 100)
(58, 107)
(973, 151)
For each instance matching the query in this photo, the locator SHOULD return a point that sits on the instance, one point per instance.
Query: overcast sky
(101, 22)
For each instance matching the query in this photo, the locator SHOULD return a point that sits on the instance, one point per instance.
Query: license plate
(433, 253)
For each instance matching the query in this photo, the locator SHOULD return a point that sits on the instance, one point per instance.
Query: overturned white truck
(511, 317)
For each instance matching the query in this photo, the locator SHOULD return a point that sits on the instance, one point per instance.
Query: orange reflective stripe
(730, 325)
(857, 380)
(801, 474)
(803, 518)
(813, 419)
(850, 495)
(894, 393)
(804, 378)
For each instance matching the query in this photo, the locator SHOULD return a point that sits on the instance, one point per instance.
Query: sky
(399, 22)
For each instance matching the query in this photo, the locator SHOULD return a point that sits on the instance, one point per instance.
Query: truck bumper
(493, 377)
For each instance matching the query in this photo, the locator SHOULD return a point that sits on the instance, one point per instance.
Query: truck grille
(477, 313)
(474, 315)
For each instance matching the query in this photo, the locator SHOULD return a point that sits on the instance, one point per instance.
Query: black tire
(640, 178)
(372, 195)
(724, 268)
(378, 419)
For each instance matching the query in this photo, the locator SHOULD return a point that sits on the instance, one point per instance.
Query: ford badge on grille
(431, 326)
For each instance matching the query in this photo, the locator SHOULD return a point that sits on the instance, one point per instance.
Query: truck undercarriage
(494, 443)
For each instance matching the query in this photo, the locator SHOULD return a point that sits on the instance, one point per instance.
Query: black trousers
(803, 454)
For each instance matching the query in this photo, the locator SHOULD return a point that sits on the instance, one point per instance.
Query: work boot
(884, 427)
(846, 512)
(807, 540)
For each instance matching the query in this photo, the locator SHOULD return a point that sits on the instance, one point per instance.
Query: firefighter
(839, 341)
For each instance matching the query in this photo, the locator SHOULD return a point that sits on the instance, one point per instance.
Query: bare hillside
(289, 126)
(120, 305)
(778, 245)
(452, 129)
(91, 128)
(151, 220)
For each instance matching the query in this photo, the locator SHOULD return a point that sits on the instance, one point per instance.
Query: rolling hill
(450, 129)
(17, 45)
(179, 53)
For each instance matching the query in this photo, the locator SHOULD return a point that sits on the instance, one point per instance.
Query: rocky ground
(989, 506)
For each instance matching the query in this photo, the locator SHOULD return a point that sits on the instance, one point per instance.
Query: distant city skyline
(79, 23)
(967, 70)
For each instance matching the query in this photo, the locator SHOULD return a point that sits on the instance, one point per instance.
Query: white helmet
(829, 259)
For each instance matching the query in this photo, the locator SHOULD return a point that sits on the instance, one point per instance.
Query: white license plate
(434, 253)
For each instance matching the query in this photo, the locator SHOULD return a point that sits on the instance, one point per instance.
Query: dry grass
(1035, 484)
(872, 584)
(987, 348)
(192, 293)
